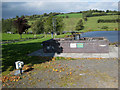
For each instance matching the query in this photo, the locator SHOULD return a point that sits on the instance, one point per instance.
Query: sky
(11, 8)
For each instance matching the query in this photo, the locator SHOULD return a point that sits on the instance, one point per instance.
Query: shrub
(67, 16)
(79, 25)
(108, 20)
(104, 27)
(85, 18)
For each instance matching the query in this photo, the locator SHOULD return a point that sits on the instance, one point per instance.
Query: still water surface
(112, 36)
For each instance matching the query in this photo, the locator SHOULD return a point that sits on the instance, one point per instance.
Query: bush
(108, 20)
(85, 18)
(67, 16)
(79, 25)
(104, 27)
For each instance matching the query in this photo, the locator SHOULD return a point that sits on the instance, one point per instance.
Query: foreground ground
(82, 73)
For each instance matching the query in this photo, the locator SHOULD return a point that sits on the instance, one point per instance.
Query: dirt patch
(70, 73)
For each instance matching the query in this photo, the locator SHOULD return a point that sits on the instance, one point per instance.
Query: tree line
(8, 26)
(91, 13)
(43, 25)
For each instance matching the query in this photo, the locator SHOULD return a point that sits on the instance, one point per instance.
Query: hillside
(91, 24)
(71, 19)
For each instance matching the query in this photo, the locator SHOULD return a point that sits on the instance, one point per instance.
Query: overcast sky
(11, 8)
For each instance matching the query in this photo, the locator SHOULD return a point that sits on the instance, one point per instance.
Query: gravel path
(70, 74)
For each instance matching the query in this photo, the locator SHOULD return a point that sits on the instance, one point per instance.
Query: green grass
(18, 51)
(70, 24)
(62, 35)
(73, 15)
(91, 24)
(6, 36)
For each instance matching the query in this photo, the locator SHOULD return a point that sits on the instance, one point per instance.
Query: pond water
(112, 36)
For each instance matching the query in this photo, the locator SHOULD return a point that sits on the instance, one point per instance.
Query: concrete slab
(105, 56)
(113, 53)
(79, 55)
(86, 55)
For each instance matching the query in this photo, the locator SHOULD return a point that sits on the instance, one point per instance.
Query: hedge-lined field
(91, 24)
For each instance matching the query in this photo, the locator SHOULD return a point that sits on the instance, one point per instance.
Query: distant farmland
(73, 15)
(90, 25)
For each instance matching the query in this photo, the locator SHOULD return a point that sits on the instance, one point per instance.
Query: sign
(73, 45)
(102, 45)
(19, 64)
(80, 45)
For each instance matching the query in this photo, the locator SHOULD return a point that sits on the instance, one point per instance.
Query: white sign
(73, 45)
(102, 45)
(19, 64)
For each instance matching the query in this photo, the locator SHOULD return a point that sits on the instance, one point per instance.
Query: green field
(91, 24)
(73, 15)
(6, 36)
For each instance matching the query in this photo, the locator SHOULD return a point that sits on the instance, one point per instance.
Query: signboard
(80, 45)
(73, 45)
(19, 64)
(102, 45)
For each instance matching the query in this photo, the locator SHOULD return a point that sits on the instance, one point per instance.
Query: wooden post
(20, 70)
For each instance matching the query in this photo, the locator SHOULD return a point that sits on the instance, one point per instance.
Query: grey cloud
(11, 9)
(60, 0)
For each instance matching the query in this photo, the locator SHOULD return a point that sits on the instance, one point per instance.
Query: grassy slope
(70, 23)
(90, 25)
(74, 15)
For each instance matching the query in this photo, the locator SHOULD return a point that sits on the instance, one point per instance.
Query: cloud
(104, 5)
(10, 9)
(60, 1)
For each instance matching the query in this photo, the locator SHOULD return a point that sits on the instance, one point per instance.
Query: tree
(17, 16)
(22, 16)
(7, 25)
(59, 25)
(79, 25)
(85, 18)
(53, 24)
(87, 14)
(107, 11)
(67, 16)
(21, 25)
(48, 25)
(45, 14)
(38, 27)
